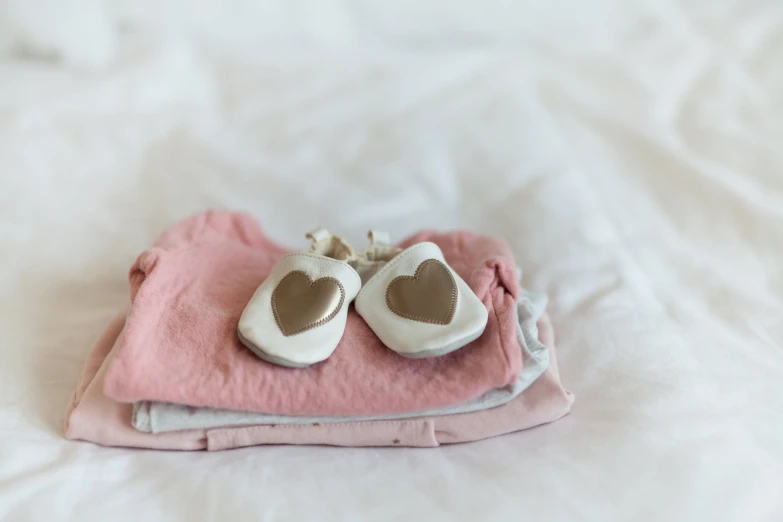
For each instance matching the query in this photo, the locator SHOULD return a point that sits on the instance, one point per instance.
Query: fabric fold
(92, 416)
(159, 417)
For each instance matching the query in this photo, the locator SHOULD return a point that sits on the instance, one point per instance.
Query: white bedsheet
(629, 151)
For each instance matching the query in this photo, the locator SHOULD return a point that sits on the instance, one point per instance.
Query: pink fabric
(92, 416)
(189, 290)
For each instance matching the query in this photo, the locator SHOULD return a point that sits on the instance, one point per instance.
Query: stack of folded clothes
(232, 341)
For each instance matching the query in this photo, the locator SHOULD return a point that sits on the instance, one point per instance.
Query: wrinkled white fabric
(629, 151)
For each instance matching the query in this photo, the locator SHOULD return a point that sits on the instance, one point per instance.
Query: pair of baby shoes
(414, 302)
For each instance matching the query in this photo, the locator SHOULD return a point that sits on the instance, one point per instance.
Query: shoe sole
(438, 352)
(453, 347)
(261, 354)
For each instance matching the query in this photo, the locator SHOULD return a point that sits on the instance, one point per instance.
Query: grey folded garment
(159, 417)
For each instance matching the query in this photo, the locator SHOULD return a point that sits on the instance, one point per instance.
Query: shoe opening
(334, 247)
(369, 261)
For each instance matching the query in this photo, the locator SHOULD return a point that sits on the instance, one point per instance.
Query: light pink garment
(94, 417)
(189, 290)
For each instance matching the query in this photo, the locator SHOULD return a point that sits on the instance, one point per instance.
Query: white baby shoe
(297, 316)
(413, 301)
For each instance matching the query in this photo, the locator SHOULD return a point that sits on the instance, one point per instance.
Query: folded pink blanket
(189, 290)
(94, 417)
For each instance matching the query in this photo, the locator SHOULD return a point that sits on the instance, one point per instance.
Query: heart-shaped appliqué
(300, 304)
(428, 296)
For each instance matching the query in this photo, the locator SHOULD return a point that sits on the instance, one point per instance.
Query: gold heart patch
(428, 296)
(300, 304)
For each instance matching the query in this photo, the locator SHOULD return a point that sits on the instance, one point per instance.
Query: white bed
(629, 151)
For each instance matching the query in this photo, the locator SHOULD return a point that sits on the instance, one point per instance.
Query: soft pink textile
(93, 417)
(189, 290)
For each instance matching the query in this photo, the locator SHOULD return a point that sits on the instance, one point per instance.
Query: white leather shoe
(297, 316)
(414, 302)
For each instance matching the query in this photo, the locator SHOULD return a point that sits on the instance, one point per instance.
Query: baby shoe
(297, 316)
(413, 301)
